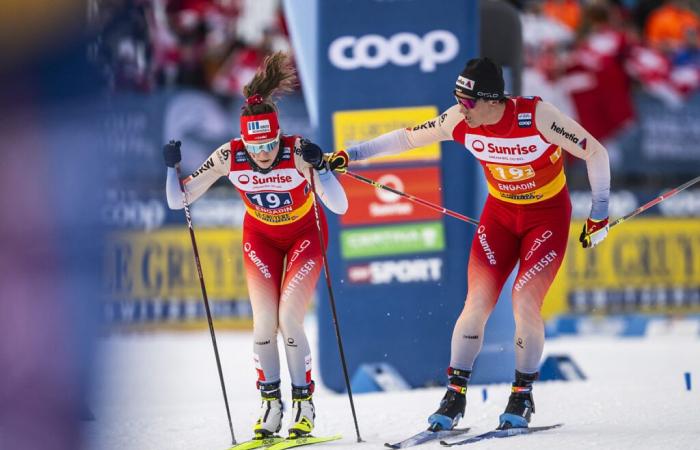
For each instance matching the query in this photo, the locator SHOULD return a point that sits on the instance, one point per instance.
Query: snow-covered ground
(161, 391)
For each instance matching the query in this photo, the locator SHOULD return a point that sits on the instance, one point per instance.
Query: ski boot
(303, 411)
(454, 402)
(270, 421)
(520, 404)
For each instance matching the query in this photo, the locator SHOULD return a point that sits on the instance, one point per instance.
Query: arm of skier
(434, 130)
(309, 155)
(565, 132)
(195, 185)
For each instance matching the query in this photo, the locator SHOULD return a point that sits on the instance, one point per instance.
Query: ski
(305, 440)
(427, 436)
(500, 434)
(257, 443)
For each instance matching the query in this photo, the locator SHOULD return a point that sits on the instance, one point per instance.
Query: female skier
(281, 248)
(518, 142)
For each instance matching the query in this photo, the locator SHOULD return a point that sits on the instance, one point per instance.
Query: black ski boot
(454, 402)
(520, 404)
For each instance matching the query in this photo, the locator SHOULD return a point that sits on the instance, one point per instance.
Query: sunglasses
(263, 147)
(468, 103)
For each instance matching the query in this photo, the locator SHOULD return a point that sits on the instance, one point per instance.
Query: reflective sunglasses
(263, 147)
(468, 103)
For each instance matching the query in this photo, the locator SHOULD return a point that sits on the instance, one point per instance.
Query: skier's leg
(304, 265)
(263, 268)
(541, 254)
(493, 254)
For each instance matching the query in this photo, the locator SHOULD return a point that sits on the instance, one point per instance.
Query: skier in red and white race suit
(281, 249)
(518, 141)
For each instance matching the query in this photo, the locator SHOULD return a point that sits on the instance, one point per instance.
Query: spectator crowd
(593, 53)
(213, 45)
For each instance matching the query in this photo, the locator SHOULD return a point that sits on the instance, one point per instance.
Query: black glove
(171, 153)
(312, 154)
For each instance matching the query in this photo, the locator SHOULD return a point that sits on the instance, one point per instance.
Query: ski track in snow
(161, 391)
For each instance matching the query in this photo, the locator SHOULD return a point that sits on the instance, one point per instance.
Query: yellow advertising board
(645, 265)
(353, 127)
(160, 265)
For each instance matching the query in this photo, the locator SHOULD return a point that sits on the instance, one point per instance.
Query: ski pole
(413, 198)
(332, 302)
(656, 201)
(205, 299)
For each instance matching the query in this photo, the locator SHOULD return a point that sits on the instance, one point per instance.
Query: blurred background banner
(665, 138)
(653, 266)
(152, 278)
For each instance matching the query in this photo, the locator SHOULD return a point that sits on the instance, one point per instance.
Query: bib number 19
(511, 173)
(270, 200)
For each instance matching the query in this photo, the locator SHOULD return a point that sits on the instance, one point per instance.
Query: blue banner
(399, 282)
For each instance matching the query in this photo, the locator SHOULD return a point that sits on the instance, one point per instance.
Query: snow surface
(161, 391)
